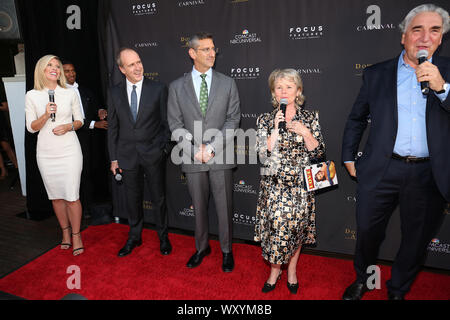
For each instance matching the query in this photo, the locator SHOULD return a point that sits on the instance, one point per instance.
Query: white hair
(429, 7)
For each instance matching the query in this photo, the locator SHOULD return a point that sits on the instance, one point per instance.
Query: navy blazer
(378, 98)
(148, 137)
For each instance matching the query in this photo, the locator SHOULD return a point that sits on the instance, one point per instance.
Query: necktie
(203, 95)
(134, 103)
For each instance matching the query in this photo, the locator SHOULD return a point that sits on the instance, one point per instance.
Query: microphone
(422, 56)
(51, 98)
(118, 176)
(282, 124)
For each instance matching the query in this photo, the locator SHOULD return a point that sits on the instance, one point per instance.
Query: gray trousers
(220, 184)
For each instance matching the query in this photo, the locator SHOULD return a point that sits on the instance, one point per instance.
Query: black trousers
(133, 181)
(412, 187)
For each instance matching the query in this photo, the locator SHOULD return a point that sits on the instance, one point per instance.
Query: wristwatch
(444, 88)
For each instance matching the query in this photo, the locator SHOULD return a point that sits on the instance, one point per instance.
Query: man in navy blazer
(406, 157)
(138, 138)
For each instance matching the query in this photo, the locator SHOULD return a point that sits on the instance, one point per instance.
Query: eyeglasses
(208, 50)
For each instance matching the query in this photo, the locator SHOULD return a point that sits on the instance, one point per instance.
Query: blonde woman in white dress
(58, 151)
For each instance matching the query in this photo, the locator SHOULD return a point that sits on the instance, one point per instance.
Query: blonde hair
(289, 74)
(40, 81)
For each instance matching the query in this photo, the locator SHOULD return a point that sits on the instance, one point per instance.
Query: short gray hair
(429, 7)
(119, 55)
(193, 41)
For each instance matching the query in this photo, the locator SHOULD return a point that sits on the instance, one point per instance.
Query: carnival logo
(309, 71)
(436, 246)
(245, 73)
(144, 8)
(242, 187)
(182, 4)
(373, 22)
(244, 219)
(146, 45)
(306, 32)
(245, 37)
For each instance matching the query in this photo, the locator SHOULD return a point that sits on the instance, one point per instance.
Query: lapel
(123, 96)
(213, 91)
(142, 100)
(190, 93)
(391, 89)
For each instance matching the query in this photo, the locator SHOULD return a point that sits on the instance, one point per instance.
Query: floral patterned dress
(285, 212)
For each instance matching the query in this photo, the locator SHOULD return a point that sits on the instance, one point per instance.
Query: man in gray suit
(203, 111)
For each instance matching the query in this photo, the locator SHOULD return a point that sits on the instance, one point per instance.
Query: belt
(409, 158)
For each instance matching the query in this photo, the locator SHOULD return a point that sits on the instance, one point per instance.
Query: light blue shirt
(411, 137)
(198, 81)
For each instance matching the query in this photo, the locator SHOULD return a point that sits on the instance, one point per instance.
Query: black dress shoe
(269, 287)
(228, 262)
(355, 291)
(197, 258)
(394, 296)
(165, 247)
(129, 246)
(293, 287)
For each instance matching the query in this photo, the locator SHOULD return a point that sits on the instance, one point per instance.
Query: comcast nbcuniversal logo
(245, 37)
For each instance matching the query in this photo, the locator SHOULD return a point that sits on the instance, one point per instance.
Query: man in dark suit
(138, 138)
(90, 109)
(406, 158)
(202, 101)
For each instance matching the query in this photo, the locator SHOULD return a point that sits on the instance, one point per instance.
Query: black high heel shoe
(293, 287)
(65, 246)
(269, 287)
(80, 250)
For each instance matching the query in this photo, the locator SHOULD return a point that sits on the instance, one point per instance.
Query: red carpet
(147, 275)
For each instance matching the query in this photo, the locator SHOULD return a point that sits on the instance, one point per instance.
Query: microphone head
(188, 136)
(422, 54)
(283, 101)
(51, 92)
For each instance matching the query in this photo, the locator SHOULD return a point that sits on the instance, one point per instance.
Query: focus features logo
(144, 8)
(373, 22)
(306, 32)
(244, 219)
(245, 37)
(245, 73)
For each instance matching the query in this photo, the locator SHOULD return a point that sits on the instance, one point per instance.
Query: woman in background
(58, 151)
(285, 213)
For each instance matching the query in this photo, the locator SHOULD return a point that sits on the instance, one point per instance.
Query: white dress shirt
(198, 81)
(138, 92)
(74, 86)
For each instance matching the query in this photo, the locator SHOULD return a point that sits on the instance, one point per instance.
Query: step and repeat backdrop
(328, 42)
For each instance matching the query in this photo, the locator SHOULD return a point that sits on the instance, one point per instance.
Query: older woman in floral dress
(285, 214)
